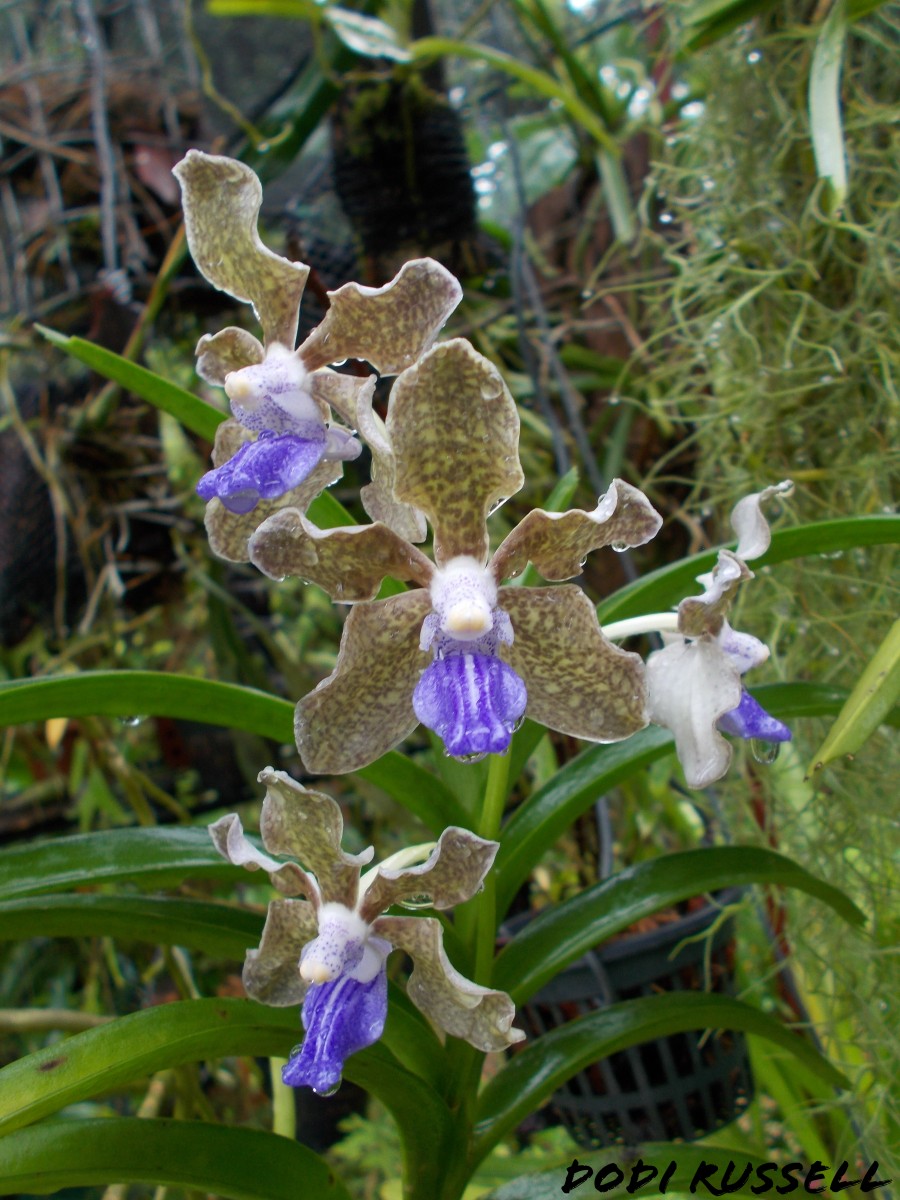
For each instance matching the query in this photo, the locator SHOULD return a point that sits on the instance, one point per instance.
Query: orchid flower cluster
(465, 650)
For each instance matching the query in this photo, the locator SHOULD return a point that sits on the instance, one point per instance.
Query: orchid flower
(282, 446)
(695, 681)
(328, 951)
(459, 652)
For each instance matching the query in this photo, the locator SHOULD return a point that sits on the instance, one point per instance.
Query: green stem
(479, 931)
(284, 1116)
(495, 793)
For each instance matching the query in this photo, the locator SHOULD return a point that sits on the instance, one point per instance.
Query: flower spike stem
(284, 1116)
(480, 930)
(650, 623)
(495, 793)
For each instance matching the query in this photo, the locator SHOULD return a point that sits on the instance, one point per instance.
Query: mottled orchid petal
(343, 393)
(558, 543)
(230, 350)
(228, 838)
(454, 431)
(706, 614)
(388, 327)
(692, 685)
(378, 502)
(348, 563)
(750, 720)
(221, 199)
(455, 870)
(378, 496)
(364, 708)
(341, 1017)
(480, 1015)
(308, 826)
(473, 702)
(272, 973)
(266, 469)
(577, 682)
(747, 520)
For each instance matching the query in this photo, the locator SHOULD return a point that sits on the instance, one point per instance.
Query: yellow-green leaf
(867, 706)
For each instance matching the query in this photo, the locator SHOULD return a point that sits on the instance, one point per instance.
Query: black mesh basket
(682, 1086)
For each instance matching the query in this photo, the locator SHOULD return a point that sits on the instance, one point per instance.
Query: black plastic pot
(682, 1086)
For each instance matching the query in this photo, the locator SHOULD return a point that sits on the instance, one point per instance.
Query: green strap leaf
(662, 589)
(532, 1075)
(244, 1164)
(157, 693)
(166, 694)
(219, 929)
(155, 857)
(826, 128)
(562, 933)
(868, 705)
(194, 414)
(114, 1054)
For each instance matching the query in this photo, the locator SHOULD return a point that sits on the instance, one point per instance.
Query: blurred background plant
(675, 226)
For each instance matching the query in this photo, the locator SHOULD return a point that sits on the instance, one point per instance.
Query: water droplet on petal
(764, 752)
(132, 722)
(328, 1091)
(416, 902)
(466, 758)
(620, 547)
(490, 389)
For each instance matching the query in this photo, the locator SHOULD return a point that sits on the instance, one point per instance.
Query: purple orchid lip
(263, 470)
(474, 703)
(340, 1018)
(750, 720)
